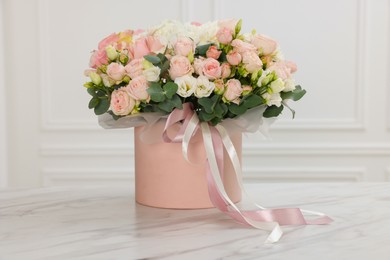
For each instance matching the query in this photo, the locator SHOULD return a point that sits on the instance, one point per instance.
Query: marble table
(106, 223)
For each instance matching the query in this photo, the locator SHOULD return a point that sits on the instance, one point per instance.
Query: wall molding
(358, 121)
(309, 149)
(3, 107)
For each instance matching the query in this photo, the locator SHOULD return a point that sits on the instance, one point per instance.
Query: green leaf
(93, 102)
(202, 49)
(153, 59)
(164, 67)
(204, 116)
(162, 57)
(166, 106)
(176, 102)
(220, 110)
(156, 92)
(102, 107)
(252, 101)
(207, 104)
(170, 89)
(295, 95)
(92, 91)
(237, 110)
(215, 121)
(273, 111)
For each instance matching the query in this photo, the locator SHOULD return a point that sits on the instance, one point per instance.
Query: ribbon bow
(215, 138)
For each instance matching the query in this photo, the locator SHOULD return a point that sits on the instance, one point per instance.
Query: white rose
(187, 85)
(204, 88)
(272, 99)
(289, 85)
(277, 85)
(152, 74)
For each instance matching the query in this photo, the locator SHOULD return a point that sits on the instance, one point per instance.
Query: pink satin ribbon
(255, 218)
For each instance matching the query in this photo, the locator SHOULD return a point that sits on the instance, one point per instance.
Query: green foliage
(202, 49)
(252, 101)
(273, 111)
(155, 60)
(156, 92)
(93, 102)
(295, 95)
(237, 109)
(102, 106)
(170, 89)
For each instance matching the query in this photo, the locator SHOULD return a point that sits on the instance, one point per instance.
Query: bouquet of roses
(213, 66)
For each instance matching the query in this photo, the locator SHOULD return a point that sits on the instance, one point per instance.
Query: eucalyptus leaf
(236, 109)
(92, 91)
(102, 107)
(153, 59)
(170, 89)
(176, 102)
(273, 111)
(93, 102)
(295, 95)
(166, 106)
(202, 49)
(204, 116)
(207, 104)
(156, 92)
(252, 101)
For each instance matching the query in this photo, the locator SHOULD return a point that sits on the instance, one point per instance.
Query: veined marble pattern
(106, 223)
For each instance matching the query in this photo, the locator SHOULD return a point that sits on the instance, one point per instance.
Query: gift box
(164, 179)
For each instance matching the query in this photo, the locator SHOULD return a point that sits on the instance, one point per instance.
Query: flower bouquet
(196, 87)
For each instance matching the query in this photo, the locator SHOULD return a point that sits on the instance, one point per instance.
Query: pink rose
(252, 62)
(211, 69)
(234, 58)
(196, 23)
(265, 44)
(242, 46)
(225, 70)
(281, 69)
(225, 35)
(98, 58)
(137, 89)
(228, 23)
(219, 86)
(183, 46)
(121, 103)
(109, 40)
(246, 89)
(179, 66)
(293, 67)
(198, 66)
(134, 68)
(116, 71)
(233, 90)
(144, 46)
(213, 52)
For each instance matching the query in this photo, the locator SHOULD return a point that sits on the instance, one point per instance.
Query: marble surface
(106, 223)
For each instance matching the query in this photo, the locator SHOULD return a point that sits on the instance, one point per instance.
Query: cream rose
(272, 99)
(180, 66)
(243, 47)
(152, 74)
(121, 102)
(289, 85)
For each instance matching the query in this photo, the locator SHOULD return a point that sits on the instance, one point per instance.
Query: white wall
(3, 131)
(342, 129)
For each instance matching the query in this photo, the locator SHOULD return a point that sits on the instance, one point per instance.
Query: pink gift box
(164, 179)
